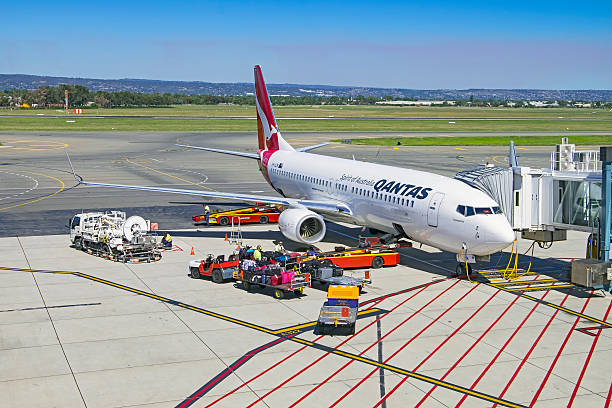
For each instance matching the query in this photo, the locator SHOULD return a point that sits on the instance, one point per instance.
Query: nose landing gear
(464, 267)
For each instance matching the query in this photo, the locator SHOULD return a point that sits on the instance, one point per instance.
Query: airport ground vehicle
(111, 235)
(373, 257)
(281, 283)
(215, 267)
(339, 313)
(326, 272)
(262, 214)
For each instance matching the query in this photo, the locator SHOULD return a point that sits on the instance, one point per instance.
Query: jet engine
(301, 225)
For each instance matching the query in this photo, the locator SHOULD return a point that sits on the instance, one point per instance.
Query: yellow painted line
(533, 288)
(169, 175)
(459, 148)
(429, 380)
(301, 326)
(226, 318)
(572, 312)
(497, 161)
(41, 198)
(522, 148)
(527, 282)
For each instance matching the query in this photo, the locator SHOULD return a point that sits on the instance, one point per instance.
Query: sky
(391, 44)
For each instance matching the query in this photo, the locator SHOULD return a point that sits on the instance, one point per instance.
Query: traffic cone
(192, 251)
(238, 247)
(226, 237)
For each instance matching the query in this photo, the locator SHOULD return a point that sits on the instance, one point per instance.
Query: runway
(38, 194)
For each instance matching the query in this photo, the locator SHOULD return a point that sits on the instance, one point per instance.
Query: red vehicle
(261, 214)
(371, 253)
(215, 267)
(364, 258)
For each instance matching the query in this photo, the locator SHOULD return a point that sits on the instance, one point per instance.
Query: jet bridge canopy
(566, 196)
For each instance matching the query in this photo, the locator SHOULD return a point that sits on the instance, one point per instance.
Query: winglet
(512, 161)
(78, 178)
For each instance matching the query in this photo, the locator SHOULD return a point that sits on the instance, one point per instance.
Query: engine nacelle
(301, 225)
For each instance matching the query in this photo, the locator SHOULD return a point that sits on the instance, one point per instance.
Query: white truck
(111, 235)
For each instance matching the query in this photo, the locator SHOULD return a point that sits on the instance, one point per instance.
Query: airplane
(435, 210)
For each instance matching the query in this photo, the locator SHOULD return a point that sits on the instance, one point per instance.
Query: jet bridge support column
(605, 153)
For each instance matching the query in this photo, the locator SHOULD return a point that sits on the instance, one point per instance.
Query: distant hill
(22, 81)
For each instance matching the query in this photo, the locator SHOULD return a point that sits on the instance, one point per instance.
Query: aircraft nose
(502, 236)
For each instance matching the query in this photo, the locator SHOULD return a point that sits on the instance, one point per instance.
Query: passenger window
(461, 209)
(469, 211)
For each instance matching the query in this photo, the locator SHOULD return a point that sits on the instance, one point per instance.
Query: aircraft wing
(245, 154)
(333, 207)
(317, 206)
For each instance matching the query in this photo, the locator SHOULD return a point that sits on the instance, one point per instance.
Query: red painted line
(260, 374)
(552, 366)
(502, 349)
(387, 395)
(200, 392)
(586, 363)
(609, 397)
(533, 346)
(346, 340)
(403, 346)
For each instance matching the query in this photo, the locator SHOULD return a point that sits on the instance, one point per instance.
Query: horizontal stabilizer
(208, 149)
(309, 148)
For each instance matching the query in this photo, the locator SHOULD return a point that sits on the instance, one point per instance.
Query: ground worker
(279, 247)
(207, 213)
(167, 240)
(257, 254)
(311, 251)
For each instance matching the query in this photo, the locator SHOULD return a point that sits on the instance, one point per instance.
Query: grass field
(481, 140)
(373, 111)
(305, 125)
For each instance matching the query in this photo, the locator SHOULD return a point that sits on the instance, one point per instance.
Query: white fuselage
(425, 206)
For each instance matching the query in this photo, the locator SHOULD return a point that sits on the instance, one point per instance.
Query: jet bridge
(543, 204)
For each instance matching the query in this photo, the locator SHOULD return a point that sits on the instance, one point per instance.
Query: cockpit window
(461, 209)
(483, 210)
(497, 210)
(469, 211)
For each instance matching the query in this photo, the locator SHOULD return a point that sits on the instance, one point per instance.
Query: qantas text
(395, 187)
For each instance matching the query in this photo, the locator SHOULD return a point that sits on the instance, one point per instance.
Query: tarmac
(78, 330)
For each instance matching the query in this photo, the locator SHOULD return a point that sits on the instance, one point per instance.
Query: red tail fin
(267, 129)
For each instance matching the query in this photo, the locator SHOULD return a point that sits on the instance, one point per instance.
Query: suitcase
(274, 280)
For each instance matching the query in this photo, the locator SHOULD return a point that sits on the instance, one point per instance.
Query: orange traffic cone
(238, 247)
(192, 251)
(226, 237)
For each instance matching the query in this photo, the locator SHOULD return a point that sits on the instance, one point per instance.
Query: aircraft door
(434, 209)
